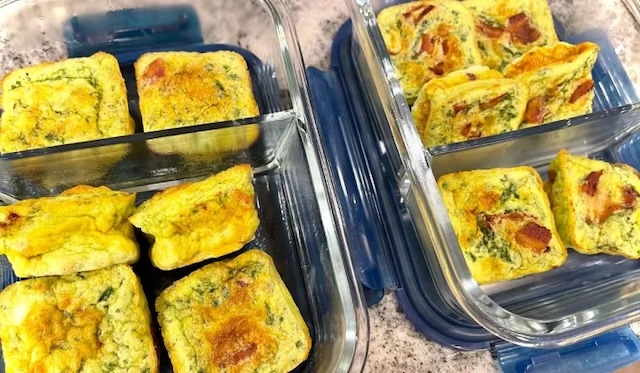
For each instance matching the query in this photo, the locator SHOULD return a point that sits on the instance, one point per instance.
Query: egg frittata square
(178, 89)
(196, 221)
(503, 222)
(559, 80)
(468, 104)
(82, 229)
(96, 321)
(595, 205)
(507, 29)
(233, 316)
(428, 39)
(75, 100)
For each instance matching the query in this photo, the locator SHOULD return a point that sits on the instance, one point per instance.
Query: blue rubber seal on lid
(605, 353)
(132, 30)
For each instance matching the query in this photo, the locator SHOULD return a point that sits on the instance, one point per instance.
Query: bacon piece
(460, 106)
(445, 47)
(423, 13)
(11, 218)
(427, 44)
(590, 185)
(239, 356)
(534, 236)
(493, 102)
(154, 70)
(582, 90)
(472, 76)
(521, 29)
(438, 69)
(605, 212)
(602, 207)
(470, 132)
(535, 110)
(490, 31)
(629, 197)
(415, 15)
(552, 176)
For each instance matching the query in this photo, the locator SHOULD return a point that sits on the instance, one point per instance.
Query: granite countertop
(395, 346)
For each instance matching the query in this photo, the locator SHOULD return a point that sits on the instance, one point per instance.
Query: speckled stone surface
(395, 346)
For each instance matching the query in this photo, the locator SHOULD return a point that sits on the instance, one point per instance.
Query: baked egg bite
(503, 222)
(595, 205)
(428, 39)
(507, 29)
(468, 104)
(84, 228)
(559, 80)
(75, 100)
(196, 221)
(178, 89)
(95, 321)
(235, 315)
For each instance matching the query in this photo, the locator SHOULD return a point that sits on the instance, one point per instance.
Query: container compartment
(300, 220)
(585, 297)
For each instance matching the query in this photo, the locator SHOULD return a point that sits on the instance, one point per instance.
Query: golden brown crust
(233, 316)
(94, 321)
(75, 100)
(179, 89)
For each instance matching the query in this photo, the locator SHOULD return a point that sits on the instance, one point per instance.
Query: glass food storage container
(301, 225)
(410, 245)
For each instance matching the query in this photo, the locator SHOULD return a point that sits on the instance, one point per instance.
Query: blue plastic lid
(132, 30)
(606, 353)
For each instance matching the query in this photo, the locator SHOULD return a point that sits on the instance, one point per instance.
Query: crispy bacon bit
(12, 217)
(552, 176)
(493, 102)
(415, 15)
(472, 76)
(535, 110)
(438, 69)
(427, 44)
(460, 106)
(629, 197)
(470, 132)
(490, 31)
(423, 13)
(241, 283)
(445, 47)
(155, 70)
(239, 356)
(590, 185)
(465, 130)
(605, 212)
(534, 236)
(521, 28)
(582, 90)
(516, 216)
